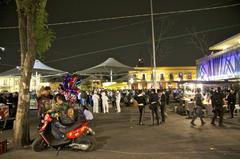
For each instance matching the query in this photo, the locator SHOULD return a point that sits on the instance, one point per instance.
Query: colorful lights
(221, 67)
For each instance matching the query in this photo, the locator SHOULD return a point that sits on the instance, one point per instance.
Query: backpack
(199, 100)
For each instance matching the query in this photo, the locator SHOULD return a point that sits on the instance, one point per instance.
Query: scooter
(76, 137)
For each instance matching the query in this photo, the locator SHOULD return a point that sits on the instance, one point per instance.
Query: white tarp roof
(38, 67)
(106, 67)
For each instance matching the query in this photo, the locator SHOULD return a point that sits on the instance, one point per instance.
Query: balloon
(69, 88)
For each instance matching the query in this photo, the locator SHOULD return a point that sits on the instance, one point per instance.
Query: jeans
(198, 113)
(218, 111)
(141, 111)
(155, 111)
(162, 108)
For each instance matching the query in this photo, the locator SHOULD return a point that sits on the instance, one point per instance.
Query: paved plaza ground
(119, 136)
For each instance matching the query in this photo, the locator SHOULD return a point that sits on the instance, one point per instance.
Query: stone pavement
(119, 136)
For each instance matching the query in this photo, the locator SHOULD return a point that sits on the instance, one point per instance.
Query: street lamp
(131, 80)
(2, 49)
(153, 47)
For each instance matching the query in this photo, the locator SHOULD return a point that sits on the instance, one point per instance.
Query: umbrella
(109, 66)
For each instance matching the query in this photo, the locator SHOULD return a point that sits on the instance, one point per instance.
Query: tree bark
(22, 30)
(28, 53)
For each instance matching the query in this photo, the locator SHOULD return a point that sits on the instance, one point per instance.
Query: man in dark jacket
(198, 107)
(141, 99)
(231, 98)
(162, 105)
(154, 101)
(218, 100)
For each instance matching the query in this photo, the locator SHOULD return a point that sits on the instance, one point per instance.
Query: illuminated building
(222, 65)
(11, 83)
(166, 77)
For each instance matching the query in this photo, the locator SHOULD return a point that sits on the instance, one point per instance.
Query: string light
(141, 43)
(133, 16)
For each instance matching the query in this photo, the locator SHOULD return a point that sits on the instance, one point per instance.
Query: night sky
(123, 39)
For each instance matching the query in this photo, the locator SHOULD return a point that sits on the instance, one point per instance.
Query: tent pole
(36, 82)
(111, 75)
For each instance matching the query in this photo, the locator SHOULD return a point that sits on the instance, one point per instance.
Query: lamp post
(131, 81)
(153, 47)
(2, 50)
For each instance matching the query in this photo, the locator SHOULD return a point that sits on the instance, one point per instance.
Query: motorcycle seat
(65, 129)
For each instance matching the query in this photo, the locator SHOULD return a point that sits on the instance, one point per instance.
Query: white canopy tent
(109, 67)
(38, 68)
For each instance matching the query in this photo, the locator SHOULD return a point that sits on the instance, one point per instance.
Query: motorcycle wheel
(39, 144)
(89, 140)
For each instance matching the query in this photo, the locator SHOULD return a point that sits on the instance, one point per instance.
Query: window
(161, 77)
(16, 82)
(189, 75)
(143, 77)
(180, 75)
(171, 78)
(152, 76)
(5, 82)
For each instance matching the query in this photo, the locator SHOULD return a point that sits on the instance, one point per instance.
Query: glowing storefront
(222, 65)
(166, 77)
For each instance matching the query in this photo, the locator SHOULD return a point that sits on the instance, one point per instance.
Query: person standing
(15, 103)
(83, 97)
(118, 101)
(95, 99)
(167, 97)
(231, 98)
(79, 99)
(162, 105)
(113, 98)
(141, 99)
(105, 103)
(218, 100)
(153, 100)
(44, 102)
(198, 108)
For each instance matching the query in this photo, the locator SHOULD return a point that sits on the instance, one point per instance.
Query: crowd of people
(214, 101)
(99, 101)
(10, 100)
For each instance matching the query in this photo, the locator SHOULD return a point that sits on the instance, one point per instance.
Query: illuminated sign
(221, 66)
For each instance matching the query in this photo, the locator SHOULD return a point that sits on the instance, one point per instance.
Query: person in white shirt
(118, 100)
(88, 115)
(95, 99)
(105, 103)
(79, 98)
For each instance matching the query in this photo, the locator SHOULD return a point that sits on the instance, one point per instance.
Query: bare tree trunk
(22, 30)
(28, 52)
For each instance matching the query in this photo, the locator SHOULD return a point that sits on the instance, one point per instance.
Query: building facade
(224, 64)
(11, 83)
(166, 77)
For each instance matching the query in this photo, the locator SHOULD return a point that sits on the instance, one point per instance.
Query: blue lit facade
(220, 66)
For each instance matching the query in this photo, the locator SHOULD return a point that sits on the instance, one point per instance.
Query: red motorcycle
(77, 136)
